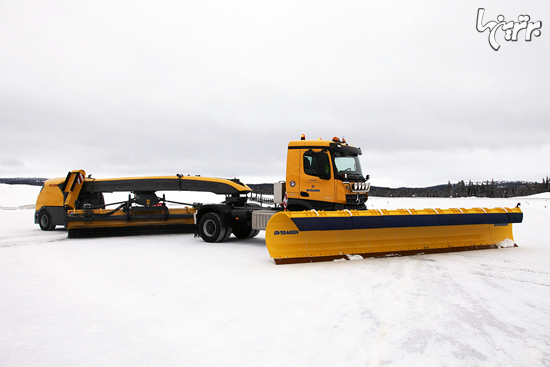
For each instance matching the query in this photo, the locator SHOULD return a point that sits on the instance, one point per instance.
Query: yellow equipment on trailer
(77, 202)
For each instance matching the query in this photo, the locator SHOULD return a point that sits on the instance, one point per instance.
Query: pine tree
(449, 190)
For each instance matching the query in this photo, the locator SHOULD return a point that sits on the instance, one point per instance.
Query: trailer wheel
(45, 221)
(210, 228)
(245, 232)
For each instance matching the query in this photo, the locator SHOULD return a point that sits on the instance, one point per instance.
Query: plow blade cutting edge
(310, 236)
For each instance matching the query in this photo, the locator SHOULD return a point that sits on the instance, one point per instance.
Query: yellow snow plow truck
(319, 212)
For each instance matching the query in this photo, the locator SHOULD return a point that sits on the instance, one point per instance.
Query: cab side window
(317, 164)
(310, 163)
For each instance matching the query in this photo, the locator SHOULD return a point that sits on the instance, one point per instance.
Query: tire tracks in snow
(381, 342)
(484, 265)
(9, 242)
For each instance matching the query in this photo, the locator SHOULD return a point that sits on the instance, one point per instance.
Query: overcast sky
(218, 88)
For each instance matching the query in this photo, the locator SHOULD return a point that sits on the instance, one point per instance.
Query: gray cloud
(127, 88)
(11, 162)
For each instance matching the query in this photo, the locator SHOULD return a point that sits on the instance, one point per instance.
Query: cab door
(316, 176)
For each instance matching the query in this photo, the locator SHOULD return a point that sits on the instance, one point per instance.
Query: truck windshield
(348, 164)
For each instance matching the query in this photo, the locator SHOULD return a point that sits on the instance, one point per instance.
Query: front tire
(211, 229)
(45, 221)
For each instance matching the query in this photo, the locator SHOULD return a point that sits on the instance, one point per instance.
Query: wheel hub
(209, 227)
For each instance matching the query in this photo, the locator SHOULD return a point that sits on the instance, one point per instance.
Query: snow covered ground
(174, 300)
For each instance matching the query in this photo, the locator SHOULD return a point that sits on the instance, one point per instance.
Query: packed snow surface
(174, 300)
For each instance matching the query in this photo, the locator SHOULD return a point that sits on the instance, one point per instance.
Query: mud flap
(293, 237)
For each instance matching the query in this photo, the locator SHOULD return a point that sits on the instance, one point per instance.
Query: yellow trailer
(77, 202)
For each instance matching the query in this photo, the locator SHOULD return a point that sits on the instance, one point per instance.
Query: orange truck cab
(325, 175)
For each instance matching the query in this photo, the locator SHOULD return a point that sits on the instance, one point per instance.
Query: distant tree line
(266, 189)
(489, 189)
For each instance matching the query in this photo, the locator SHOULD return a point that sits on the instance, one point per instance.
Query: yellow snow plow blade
(309, 236)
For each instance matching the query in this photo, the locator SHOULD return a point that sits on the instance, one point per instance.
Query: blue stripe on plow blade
(400, 221)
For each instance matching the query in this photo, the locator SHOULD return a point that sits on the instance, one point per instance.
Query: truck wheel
(45, 221)
(210, 228)
(228, 232)
(245, 232)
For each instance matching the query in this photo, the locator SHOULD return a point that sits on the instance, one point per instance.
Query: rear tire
(45, 221)
(210, 228)
(228, 231)
(245, 232)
